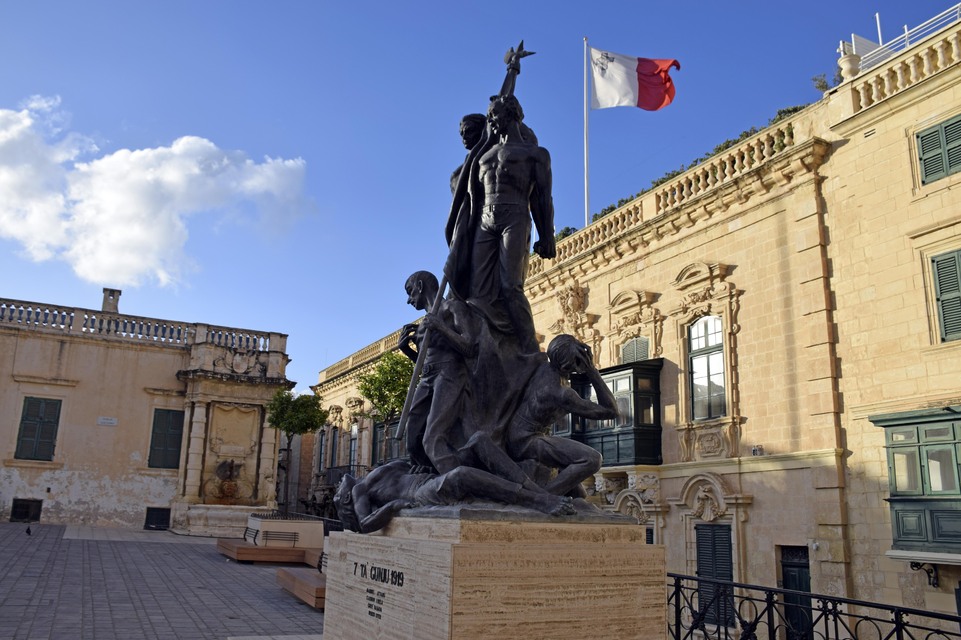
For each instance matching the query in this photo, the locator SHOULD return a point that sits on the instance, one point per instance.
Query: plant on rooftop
(781, 114)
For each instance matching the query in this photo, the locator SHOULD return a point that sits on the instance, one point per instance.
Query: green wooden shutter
(166, 438)
(952, 144)
(38, 429)
(939, 150)
(947, 281)
(715, 560)
(48, 429)
(931, 155)
(635, 350)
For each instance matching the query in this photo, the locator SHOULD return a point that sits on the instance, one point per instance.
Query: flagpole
(587, 192)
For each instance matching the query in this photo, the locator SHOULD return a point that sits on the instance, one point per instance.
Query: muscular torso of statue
(507, 172)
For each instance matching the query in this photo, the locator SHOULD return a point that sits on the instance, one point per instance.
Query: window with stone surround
(706, 321)
(636, 325)
(923, 449)
(706, 355)
(39, 421)
(321, 442)
(946, 272)
(166, 437)
(352, 451)
(334, 436)
(939, 150)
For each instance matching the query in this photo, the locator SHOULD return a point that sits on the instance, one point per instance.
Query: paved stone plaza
(65, 582)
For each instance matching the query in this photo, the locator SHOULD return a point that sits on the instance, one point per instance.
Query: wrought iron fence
(332, 475)
(718, 610)
(280, 515)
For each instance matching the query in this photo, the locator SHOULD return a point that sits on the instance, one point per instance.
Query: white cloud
(123, 218)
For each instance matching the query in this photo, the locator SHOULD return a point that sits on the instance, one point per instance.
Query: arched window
(706, 354)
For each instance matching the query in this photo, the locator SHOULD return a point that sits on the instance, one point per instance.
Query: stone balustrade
(367, 354)
(922, 61)
(700, 180)
(50, 318)
(56, 319)
(726, 166)
(241, 339)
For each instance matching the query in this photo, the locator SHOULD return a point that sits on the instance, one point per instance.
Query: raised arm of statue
(513, 60)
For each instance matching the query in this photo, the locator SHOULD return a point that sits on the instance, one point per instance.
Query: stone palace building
(781, 325)
(114, 419)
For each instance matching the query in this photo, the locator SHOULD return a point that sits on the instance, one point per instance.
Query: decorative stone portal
(229, 455)
(433, 578)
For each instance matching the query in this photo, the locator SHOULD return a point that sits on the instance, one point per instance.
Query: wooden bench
(305, 583)
(284, 536)
(316, 558)
(245, 552)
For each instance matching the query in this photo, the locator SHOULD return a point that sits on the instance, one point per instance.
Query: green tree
(293, 416)
(386, 386)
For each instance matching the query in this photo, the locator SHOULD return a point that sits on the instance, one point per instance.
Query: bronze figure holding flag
(483, 394)
(505, 180)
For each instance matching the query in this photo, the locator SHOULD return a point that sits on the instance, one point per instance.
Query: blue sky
(284, 166)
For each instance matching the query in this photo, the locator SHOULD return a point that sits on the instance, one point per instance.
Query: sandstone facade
(811, 243)
(120, 384)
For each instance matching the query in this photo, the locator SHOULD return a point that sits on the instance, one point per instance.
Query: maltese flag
(625, 81)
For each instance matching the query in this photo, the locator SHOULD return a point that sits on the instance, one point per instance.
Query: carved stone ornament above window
(641, 499)
(609, 486)
(707, 497)
(575, 320)
(632, 316)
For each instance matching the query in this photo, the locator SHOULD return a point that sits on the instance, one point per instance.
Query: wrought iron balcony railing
(709, 609)
(331, 476)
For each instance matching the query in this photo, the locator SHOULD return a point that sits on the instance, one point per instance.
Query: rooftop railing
(910, 38)
(52, 318)
(69, 320)
(914, 65)
(367, 354)
(238, 338)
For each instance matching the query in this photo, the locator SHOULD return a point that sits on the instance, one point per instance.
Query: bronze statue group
(478, 421)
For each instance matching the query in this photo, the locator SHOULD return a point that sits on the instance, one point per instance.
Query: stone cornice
(61, 382)
(344, 380)
(164, 392)
(197, 374)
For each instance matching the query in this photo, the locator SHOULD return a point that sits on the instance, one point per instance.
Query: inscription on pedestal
(526, 581)
(368, 573)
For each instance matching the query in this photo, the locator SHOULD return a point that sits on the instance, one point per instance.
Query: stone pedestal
(439, 578)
